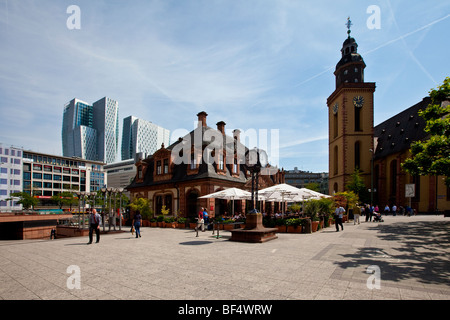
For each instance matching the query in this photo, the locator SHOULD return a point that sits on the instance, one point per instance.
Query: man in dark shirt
(94, 224)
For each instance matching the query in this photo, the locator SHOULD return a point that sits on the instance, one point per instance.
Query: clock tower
(350, 119)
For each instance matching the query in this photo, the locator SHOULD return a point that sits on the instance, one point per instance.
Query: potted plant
(160, 221)
(192, 223)
(181, 222)
(325, 209)
(280, 224)
(294, 225)
(169, 222)
(227, 224)
(311, 209)
(153, 223)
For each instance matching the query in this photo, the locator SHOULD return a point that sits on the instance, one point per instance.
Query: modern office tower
(106, 122)
(141, 136)
(10, 176)
(91, 131)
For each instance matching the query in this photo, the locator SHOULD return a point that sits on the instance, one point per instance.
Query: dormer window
(158, 167)
(193, 164)
(221, 163)
(140, 173)
(166, 166)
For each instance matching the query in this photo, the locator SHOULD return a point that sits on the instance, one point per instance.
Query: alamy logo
(74, 21)
(374, 21)
(212, 146)
(74, 280)
(374, 281)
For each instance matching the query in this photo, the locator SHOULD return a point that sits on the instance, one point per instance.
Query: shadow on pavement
(195, 243)
(420, 252)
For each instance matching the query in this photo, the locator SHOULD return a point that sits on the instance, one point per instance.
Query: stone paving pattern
(173, 264)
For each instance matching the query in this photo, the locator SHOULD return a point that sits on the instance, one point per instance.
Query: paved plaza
(408, 255)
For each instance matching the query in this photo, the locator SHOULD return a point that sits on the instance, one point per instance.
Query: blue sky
(256, 64)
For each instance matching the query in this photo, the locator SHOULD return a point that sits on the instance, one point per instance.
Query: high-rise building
(106, 122)
(141, 136)
(91, 131)
(10, 176)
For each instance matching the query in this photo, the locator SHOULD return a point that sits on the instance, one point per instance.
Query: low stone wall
(64, 231)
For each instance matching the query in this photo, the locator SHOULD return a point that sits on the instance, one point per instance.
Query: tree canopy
(432, 156)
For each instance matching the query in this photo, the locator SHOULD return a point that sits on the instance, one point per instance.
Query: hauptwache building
(354, 141)
(165, 179)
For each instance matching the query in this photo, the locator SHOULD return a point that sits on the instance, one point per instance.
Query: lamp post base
(254, 231)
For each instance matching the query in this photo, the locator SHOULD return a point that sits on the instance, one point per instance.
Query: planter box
(160, 224)
(281, 228)
(294, 229)
(153, 224)
(228, 227)
(192, 225)
(145, 223)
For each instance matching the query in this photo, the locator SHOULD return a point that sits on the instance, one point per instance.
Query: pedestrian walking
(137, 223)
(367, 212)
(200, 220)
(394, 210)
(94, 225)
(356, 214)
(338, 216)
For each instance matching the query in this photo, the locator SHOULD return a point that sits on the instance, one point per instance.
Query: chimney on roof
(202, 118)
(221, 126)
(237, 134)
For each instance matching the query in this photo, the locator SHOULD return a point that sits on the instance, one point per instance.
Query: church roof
(397, 133)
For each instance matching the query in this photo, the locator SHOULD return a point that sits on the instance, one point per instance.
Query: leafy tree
(26, 200)
(357, 186)
(65, 198)
(345, 199)
(432, 156)
(315, 186)
(312, 208)
(143, 205)
(326, 206)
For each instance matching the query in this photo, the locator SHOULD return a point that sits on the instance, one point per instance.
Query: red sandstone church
(204, 161)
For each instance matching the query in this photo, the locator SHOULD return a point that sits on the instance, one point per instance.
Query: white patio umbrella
(230, 194)
(284, 192)
(309, 194)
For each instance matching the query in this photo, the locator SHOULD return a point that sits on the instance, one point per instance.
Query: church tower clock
(350, 119)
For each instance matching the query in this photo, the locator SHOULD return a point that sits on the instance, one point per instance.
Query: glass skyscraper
(91, 131)
(139, 135)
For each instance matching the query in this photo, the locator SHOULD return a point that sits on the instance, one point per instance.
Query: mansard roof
(397, 133)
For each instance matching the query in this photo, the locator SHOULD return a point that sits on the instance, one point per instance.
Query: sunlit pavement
(402, 258)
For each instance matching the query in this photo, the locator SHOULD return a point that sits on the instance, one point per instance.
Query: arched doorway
(191, 204)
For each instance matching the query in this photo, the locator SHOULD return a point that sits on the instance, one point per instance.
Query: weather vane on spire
(349, 24)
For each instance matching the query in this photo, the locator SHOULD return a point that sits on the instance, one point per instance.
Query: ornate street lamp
(255, 160)
(120, 190)
(103, 190)
(109, 190)
(254, 231)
